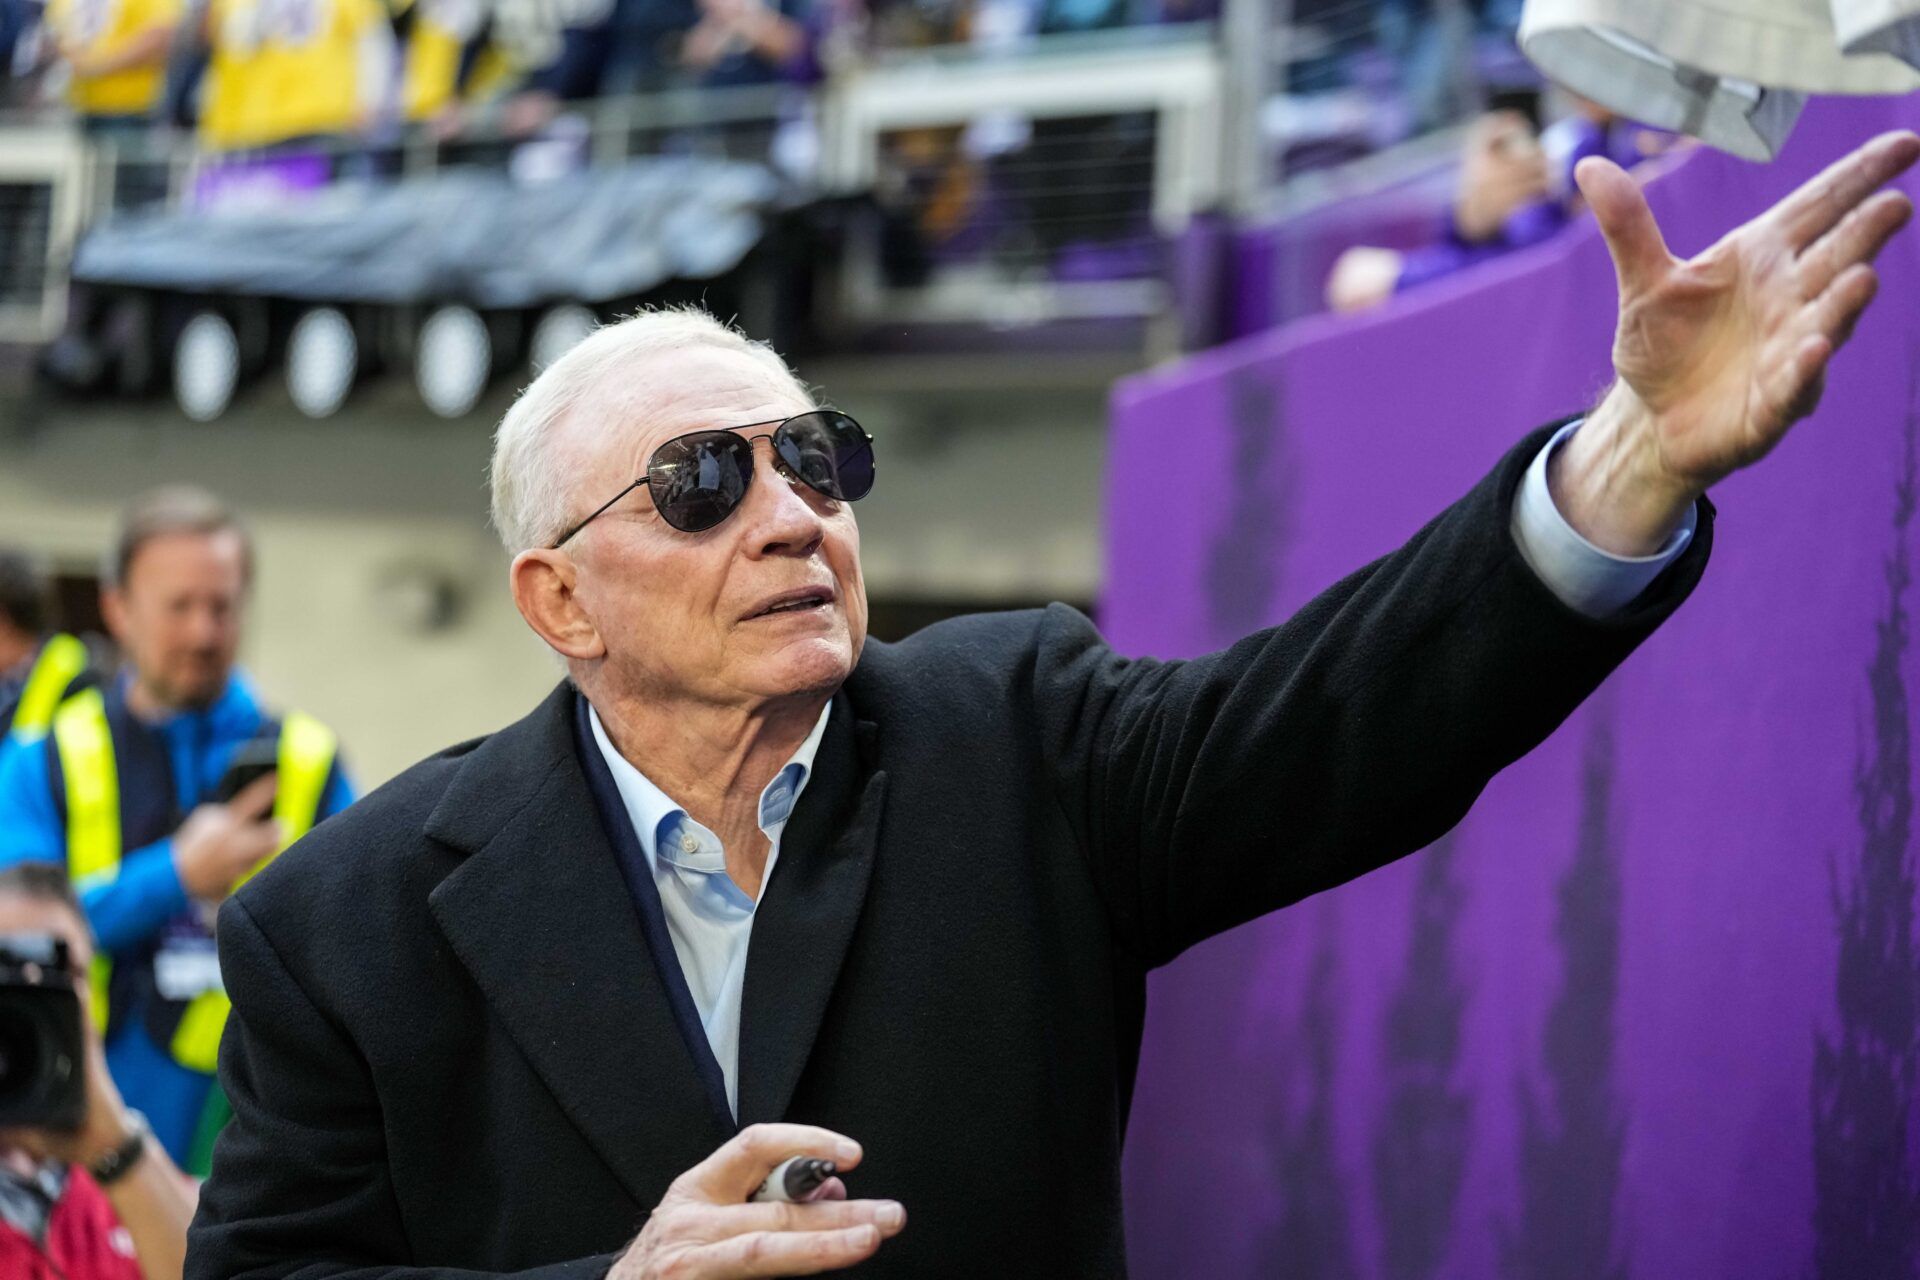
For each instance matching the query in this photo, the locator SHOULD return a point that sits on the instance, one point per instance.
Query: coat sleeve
(302, 1191)
(1208, 792)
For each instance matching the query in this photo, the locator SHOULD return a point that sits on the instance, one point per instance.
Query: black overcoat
(452, 1052)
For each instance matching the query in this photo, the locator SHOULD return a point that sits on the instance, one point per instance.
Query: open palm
(1726, 350)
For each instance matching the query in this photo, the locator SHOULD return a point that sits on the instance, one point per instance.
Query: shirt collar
(648, 807)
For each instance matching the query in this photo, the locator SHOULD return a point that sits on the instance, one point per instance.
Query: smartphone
(251, 761)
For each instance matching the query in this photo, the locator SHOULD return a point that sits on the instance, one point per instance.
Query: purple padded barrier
(1651, 1010)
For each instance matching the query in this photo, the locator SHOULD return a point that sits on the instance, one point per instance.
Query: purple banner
(1653, 1010)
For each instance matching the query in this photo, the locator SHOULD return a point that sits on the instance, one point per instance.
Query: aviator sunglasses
(701, 478)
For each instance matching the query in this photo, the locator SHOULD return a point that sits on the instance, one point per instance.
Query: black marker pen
(794, 1179)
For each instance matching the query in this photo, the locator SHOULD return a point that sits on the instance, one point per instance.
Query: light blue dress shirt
(711, 920)
(1587, 579)
(708, 916)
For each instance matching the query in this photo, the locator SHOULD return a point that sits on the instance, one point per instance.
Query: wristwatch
(116, 1164)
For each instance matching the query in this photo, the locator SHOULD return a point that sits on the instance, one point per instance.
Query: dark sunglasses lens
(829, 452)
(698, 480)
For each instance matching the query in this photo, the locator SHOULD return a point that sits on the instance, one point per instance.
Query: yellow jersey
(284, 69)
(95, 27)
(440, 31)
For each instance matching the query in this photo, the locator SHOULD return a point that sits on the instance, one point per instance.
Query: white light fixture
(453, 361)
(323, 358)
(560, 330)
(206, 367)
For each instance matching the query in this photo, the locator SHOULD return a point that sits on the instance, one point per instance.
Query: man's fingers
(1799, 380)
(1640, 256)
(263, 838)
(783, 1253)
(738, 1166)
(815, 1215)
(1823, 200)
(254, 799)
(1859, 238)
(1835, 312)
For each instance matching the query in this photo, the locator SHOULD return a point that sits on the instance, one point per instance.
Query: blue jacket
(129, 913)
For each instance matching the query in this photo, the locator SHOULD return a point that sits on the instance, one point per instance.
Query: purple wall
(1651, 1010)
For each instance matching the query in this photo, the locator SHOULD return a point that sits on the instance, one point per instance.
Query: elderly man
(745, 888)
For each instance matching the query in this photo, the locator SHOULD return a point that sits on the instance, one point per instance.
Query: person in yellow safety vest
(126, 792)
(38, 668)
(116, 55)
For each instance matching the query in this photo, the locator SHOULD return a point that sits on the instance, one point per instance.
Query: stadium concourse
(1172, 311)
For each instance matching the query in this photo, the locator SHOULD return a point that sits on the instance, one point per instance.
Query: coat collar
(542, 917)
(808, 910)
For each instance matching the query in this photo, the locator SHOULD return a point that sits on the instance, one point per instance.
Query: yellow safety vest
(85, 742)
(62, 660)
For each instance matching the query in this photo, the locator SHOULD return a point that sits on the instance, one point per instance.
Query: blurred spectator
(115, 54)
(38, 667)
(179, 105)
(20, 34)
(134, 792)
(743, 42)
(103, 1203)
(1516, 189)
(606, 47)
(450, 61)
(284, 73)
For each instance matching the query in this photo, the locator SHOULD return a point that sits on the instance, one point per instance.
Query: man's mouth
(800, 601)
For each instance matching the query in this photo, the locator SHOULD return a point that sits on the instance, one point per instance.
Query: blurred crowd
(247, 74)
(251, 74)
(1515, 188)
(281, 96)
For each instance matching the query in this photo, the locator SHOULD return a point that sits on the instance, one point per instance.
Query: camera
(43, 1082)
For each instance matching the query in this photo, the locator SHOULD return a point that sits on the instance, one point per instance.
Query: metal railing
(1108, 145)
(47, 186)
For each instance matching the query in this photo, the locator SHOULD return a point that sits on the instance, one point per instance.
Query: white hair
(529, 493)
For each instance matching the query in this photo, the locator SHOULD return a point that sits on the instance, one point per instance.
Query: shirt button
(689, 845)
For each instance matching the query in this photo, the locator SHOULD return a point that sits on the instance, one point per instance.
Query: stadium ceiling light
(453, 361)
(323, 358)
(206, 367)
(560, 330)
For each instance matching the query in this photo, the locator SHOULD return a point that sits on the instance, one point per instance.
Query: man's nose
(204, 626)
(780, 507)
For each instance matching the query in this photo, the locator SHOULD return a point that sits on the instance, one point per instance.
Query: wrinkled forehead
(641, 405)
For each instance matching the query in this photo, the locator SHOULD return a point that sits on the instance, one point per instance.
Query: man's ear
(543, 590)
(113, 611)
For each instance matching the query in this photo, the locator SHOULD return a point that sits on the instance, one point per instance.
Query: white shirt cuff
(1585, 578)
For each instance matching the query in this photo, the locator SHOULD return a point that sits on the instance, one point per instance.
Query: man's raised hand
(1718, 355)
(220, 843)
(704, 1229)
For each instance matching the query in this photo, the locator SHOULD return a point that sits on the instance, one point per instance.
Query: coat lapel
(540, 915)
(807, 914)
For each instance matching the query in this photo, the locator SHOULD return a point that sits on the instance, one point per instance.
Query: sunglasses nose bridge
(775, 459)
